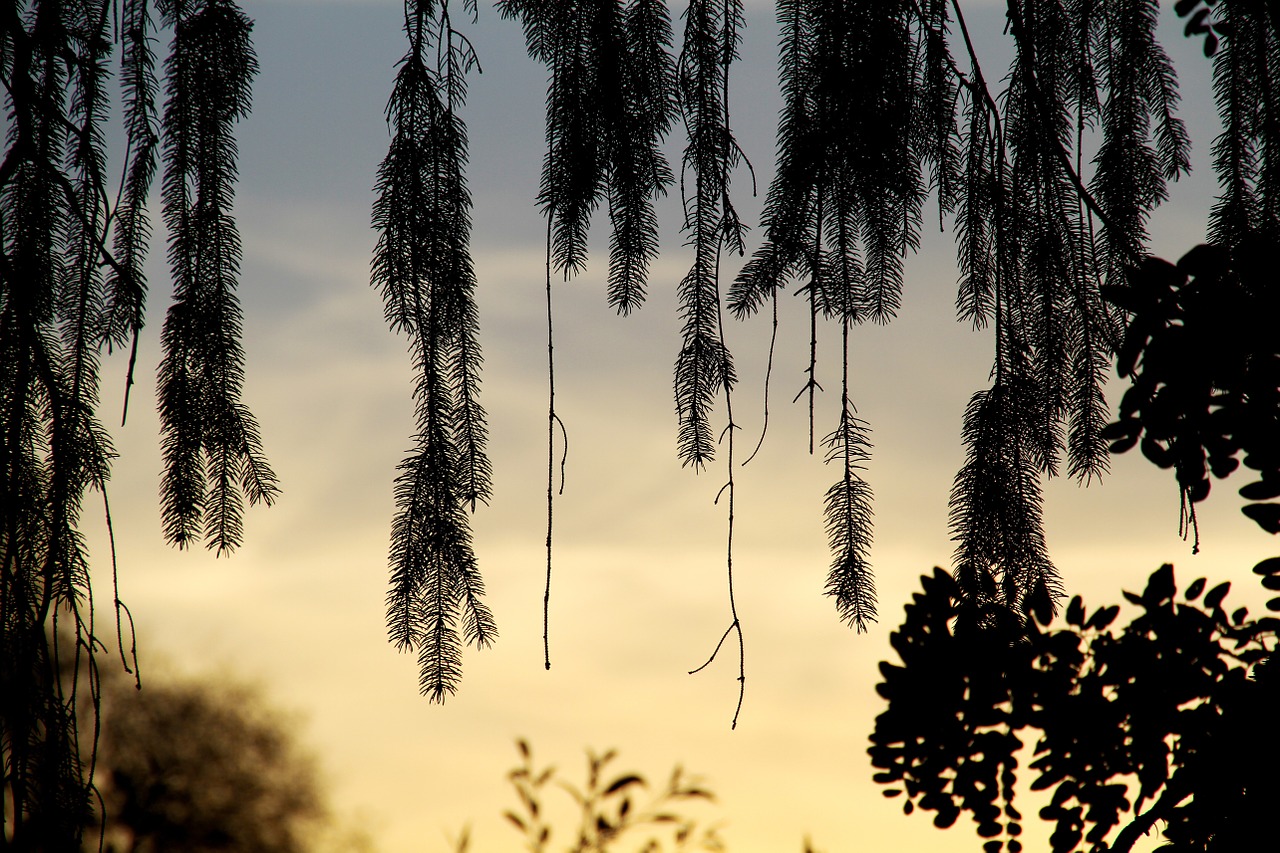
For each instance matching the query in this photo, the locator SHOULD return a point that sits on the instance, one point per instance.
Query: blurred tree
(204, 766)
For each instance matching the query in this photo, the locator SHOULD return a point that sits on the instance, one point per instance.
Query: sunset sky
(639, 596)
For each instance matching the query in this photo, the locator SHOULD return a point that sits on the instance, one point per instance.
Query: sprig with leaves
(611, 811)
(1151, 723)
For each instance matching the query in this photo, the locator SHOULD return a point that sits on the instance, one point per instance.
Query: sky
(639, 592)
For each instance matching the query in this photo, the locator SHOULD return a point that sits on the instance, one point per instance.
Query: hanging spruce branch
(609, 103)
(212, 450)
(127, 288)
(53, 220)
(1035, 245)
(1002, 565)
(867, 101)
(1143, 143)
(704, 367)
(72, 248)
(422, 265)
(848, 191)
(610, 100)
(848, 515)
(1246, 156)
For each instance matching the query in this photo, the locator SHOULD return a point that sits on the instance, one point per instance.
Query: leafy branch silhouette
(1157, 722)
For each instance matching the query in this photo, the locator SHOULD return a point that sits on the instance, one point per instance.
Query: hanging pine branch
(422, 265)
(212, 450)
(1002, 565)
(609, 103)
(847, 511)
(71, 283)
(53, 219)
(704, 367)
(867, 101)
(127, 288)
(848, 191)
(1246, 156)
(610, 100)
(1031, 260)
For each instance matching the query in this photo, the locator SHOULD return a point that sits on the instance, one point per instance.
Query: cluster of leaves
(1161, 714)
(610, 813)
(1200, 23)
(1202, 351)
(72, 287)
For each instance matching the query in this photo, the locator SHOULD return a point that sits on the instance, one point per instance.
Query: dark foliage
(212, 450)
(704, 367)
(1159, 723)
(848, 516)
(1202, 350)
(1050, 181)
(611, 98)
(1002, 563)
(884, 103)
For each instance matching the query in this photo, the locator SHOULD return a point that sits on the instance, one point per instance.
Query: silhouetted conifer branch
(610, 100)
(422, 265)
(71, 257)
(847, 511)
(609, 103)
(1001, 560)
(848, 152)
(1134, 159)
(1028, 254)
(1246, 156)
(704, 367)
(132, 233)
(212, 450)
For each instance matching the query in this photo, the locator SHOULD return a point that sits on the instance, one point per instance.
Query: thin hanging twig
(768, 374)
(552, 420)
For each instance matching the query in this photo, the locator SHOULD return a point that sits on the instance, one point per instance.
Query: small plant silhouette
(610, 807)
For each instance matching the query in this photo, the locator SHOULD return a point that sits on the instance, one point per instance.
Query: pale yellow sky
(639, 589)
